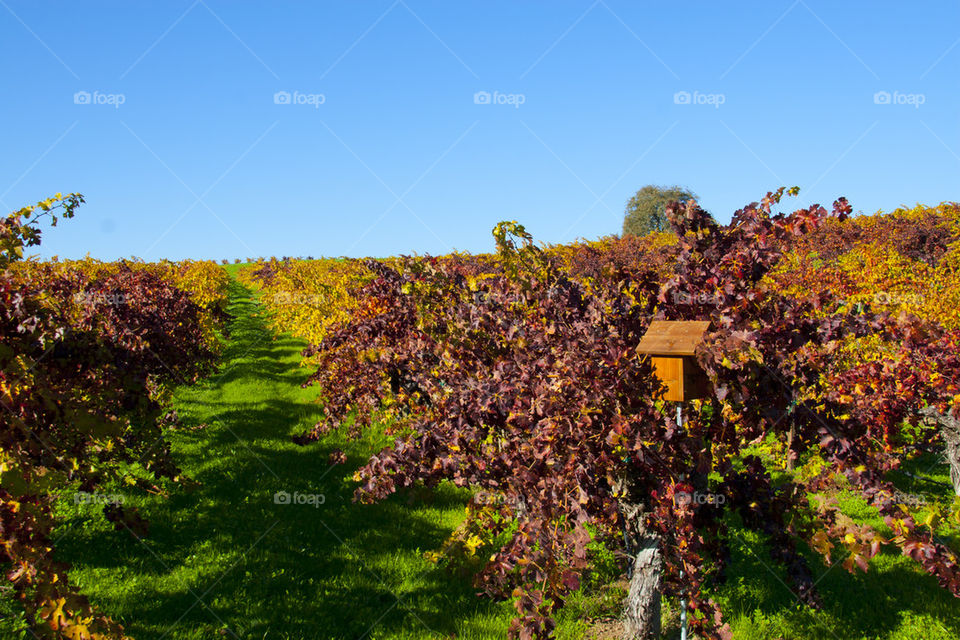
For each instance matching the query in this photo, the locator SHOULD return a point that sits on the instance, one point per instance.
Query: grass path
(225, 560)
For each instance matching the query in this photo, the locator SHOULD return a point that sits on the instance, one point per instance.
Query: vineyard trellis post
(683, 601)
(950, 432)
(671, 346)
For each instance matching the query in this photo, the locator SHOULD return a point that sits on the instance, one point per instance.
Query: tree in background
(646, 210)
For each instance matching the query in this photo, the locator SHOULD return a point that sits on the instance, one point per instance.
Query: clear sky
(171, 118)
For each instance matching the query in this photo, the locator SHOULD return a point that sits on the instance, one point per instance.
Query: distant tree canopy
(645, 211)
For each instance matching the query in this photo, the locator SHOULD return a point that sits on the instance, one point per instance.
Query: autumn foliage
(834, 349)
(88, 351)
(516, 375)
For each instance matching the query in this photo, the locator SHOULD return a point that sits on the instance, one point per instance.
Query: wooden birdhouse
(670, 345)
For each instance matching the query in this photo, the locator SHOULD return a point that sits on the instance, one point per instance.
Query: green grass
(234, 268)
(224, 560)
(896, 599)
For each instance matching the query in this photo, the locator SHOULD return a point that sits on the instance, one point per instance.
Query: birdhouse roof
(673, 337)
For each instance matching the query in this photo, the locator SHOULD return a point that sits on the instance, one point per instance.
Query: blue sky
(215, 129)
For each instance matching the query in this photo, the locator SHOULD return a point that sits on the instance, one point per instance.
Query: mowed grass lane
(226, 560)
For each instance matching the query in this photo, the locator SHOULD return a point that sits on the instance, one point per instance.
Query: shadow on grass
(230, 559)
(758, 598)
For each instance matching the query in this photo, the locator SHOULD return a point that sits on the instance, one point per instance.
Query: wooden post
(670, 346)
